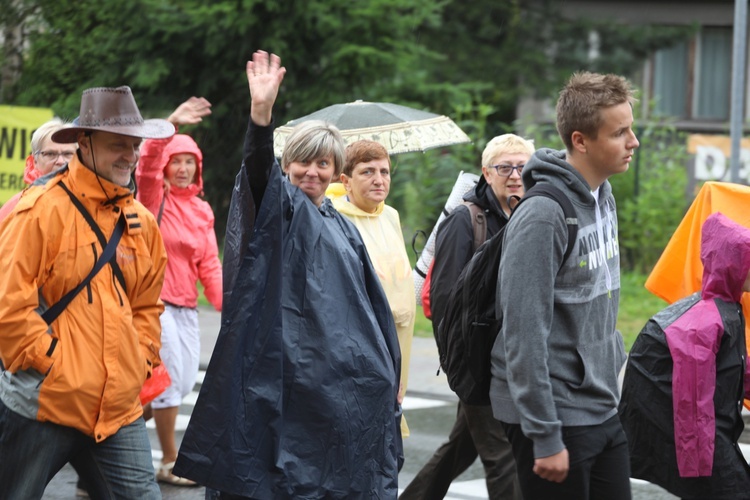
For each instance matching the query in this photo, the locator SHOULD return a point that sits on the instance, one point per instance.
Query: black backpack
(469, 327)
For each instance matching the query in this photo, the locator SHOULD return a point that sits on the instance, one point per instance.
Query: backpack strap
(569, 211)
(108, 254)
(98, 232)
(478, 223)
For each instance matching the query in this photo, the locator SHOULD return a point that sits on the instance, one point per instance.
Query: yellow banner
(17, 123)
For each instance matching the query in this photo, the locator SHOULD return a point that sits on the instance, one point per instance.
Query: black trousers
(599, 463)
(475, 433)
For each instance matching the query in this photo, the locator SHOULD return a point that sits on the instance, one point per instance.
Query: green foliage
(469, 60)
(652, 197)
(423, 181)
(637, 305)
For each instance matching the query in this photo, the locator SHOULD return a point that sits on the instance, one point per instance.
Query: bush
(652, 197)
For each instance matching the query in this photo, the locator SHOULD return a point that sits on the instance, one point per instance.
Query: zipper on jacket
(117, 288)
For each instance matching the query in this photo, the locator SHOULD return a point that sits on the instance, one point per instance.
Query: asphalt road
(430, 409)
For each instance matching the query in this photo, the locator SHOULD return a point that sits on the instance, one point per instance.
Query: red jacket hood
(179, 144)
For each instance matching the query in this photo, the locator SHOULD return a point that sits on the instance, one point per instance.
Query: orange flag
(679, 271)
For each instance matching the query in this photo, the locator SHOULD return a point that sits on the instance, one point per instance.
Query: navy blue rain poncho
(299, 398)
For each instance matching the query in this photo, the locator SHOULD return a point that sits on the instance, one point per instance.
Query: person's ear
(486, 174)
(84, 141)
(345, 181)
(578, 139)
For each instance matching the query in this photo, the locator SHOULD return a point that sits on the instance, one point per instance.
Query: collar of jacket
(346, 207)
(83, 183)
(484, 196)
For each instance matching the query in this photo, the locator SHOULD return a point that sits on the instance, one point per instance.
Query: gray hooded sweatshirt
(556, 359)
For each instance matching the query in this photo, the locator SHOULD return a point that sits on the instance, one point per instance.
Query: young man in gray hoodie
(557, 356)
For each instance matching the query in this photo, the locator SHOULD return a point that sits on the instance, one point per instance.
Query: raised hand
(191, 111)
(264, 77)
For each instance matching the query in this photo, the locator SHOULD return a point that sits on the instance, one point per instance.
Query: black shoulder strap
(108, 254)
(569, 211)
(98, 232)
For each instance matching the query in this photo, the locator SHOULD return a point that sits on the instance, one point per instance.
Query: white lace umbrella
(399, 128)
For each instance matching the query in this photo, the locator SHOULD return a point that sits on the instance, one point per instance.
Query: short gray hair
(311, 140)
(44, 132)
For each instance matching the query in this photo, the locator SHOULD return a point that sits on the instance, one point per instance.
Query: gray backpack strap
(478, 222)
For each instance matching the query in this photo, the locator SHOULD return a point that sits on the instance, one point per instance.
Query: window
(670, 81)
(713, 74)
(695, 86)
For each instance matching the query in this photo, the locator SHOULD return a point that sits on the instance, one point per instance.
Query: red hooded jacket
(186, 223)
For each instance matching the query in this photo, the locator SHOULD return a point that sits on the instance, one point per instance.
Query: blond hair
(506, 144)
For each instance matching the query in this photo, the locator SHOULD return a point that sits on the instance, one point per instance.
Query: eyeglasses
(507, 170)
(53, 155)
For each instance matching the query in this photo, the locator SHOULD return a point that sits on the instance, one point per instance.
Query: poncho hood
(725, 253)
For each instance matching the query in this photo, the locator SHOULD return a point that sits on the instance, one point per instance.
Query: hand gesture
(553, 468)
(191, 111)
(264, 76)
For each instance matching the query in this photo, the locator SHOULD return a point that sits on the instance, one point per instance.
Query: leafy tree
(469, 60)
(166, 51)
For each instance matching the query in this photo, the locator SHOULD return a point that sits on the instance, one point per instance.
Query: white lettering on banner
(712, 165)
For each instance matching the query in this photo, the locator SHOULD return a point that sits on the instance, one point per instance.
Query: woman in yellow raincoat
(365, 183)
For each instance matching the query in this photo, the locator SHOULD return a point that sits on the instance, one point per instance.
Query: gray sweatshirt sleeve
(535, 241)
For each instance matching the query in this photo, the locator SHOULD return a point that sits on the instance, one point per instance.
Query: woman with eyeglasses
(475, 432)
(45, 157)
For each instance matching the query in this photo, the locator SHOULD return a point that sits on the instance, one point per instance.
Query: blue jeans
(599, 463)
(32, 452)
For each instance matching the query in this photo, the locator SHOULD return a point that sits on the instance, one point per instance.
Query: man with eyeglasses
(45, 157)
(475, 432)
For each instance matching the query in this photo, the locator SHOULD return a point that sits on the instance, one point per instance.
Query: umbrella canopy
(399, 128)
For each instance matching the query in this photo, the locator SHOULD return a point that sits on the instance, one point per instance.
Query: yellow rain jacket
(679, 271)
(87, 369)
(381, 232)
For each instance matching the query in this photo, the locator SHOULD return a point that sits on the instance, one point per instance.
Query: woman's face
(181, 170)
(369, 184)
(312, 177)
(52, 155)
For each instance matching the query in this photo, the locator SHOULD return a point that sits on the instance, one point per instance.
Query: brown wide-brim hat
(113, 110)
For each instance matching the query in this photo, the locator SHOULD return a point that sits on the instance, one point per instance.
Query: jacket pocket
(601, 362)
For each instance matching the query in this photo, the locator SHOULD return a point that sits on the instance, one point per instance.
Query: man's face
(612, 150)
(115, 156)
(52, 155)
(505, 186)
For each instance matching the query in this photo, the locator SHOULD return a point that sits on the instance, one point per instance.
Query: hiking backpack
(479, 226)
(469, 327)
(465, 182)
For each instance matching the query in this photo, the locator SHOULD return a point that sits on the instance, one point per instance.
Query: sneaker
(164, 475)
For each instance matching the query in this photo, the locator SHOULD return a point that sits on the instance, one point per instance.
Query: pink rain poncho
(685, 379)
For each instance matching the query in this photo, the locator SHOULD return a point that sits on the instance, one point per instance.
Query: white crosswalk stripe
(471, 489)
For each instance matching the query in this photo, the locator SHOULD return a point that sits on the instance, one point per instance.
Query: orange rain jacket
(679, 271)
(108, 339)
